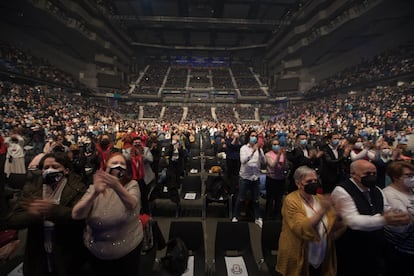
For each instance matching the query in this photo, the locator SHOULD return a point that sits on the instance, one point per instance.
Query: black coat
(69, 253)
(333, 170)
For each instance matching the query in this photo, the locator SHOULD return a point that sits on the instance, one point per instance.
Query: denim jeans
(244, 186)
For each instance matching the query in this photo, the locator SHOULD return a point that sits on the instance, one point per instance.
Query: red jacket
(137, 164)
(3, 147)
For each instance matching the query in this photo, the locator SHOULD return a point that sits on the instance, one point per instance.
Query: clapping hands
(103, 180)
(396, 217)
(39, 207)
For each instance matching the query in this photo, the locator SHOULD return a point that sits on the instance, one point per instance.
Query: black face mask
(311, 188)
(104, 143)
(369, 181)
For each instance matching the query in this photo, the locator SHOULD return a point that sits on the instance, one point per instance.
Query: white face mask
(387, 152)
(409, 182)
(359, 145)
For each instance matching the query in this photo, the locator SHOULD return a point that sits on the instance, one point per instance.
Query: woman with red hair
(111, 207)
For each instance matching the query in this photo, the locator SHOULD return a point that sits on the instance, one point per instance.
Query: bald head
(362, 165)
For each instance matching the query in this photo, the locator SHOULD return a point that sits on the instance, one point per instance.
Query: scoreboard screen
(200, 61)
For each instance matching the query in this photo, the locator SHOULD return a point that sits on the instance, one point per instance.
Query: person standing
(399, 253)
(54, 239)
(251, 159)
(389, 138)
(15, 161)
(383, 157)
(155, 147)
(302, 154)
(3, 153)
(365, 211)
(276, 172)
(111, 207)
(309, 227)
(104, 148)
(48, 146)
(335, 162)
(175, 168)
(38, 139)
(146, 179)
(233, 145)
(402, 141)
(359, 151)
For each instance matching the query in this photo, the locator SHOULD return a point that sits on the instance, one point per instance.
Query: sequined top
(112, 231)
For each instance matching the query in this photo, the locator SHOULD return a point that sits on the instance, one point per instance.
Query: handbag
(7, 236)
(176, 259)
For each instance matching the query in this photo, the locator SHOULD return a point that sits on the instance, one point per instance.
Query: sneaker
(259, 222)
(234, 220)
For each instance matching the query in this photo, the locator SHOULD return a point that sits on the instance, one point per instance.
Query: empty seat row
(232, 248)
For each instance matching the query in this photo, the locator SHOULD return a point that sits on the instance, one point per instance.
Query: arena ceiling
(224, 27)
(201, 24)
(157, 26)
(248, 28)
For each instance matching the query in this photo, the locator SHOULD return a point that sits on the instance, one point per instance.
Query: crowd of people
(339, 175)
(388, 64)
(76, 141)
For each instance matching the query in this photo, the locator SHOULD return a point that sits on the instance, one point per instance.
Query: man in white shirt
(251, 159)
(363, 207)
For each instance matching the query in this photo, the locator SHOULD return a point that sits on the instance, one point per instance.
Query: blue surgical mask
(303, 142)
(253, 140)
(335, 142)
(275, 147)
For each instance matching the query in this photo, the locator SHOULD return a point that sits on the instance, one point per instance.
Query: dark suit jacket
(297, 158)
(333, 170)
